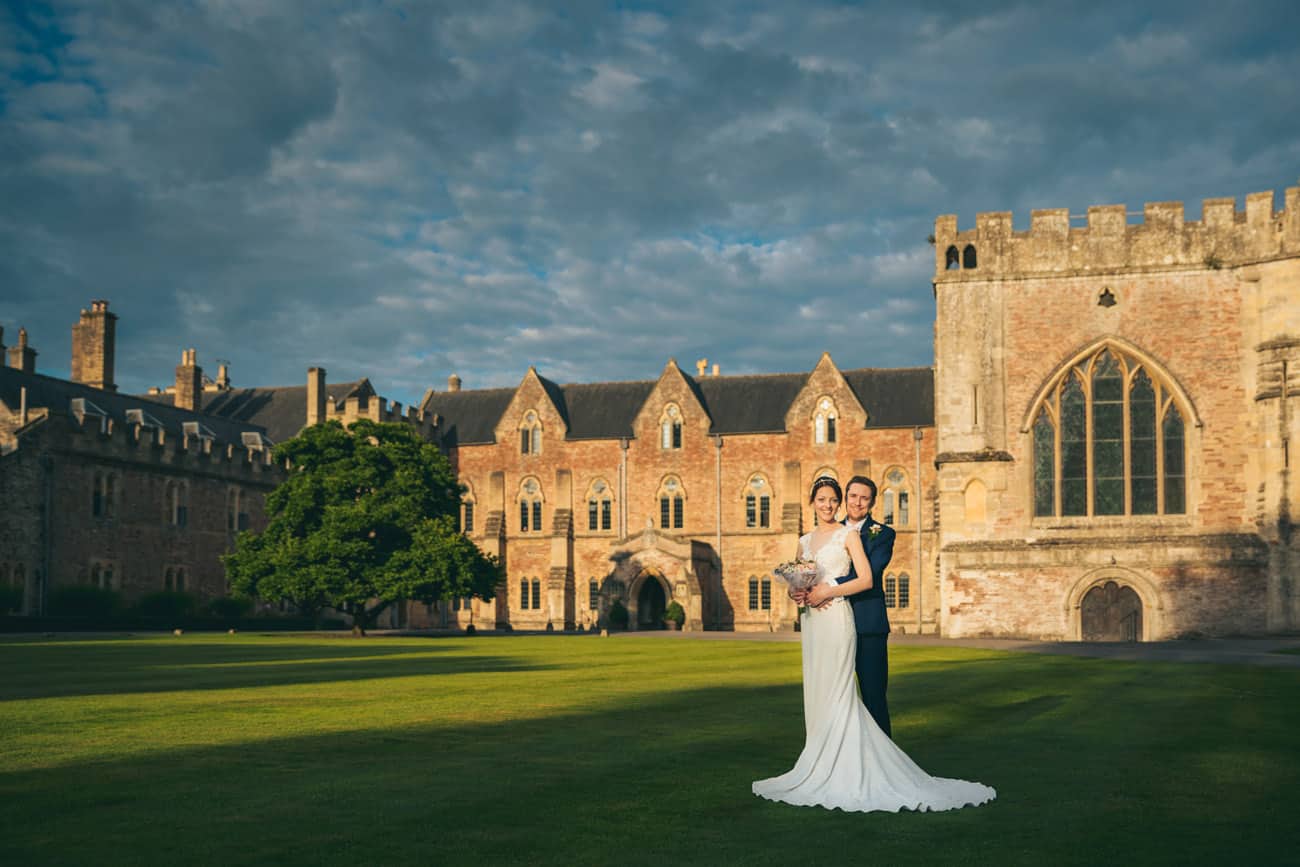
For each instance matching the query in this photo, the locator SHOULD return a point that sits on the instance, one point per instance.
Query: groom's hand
(819, 596)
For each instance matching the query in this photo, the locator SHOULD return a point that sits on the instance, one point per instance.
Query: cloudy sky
(406, 189)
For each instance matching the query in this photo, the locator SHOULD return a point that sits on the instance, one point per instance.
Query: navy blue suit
(872, 663)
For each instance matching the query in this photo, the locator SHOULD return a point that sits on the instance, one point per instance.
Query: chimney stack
(189, 382)
(701, 366)
(315, 395)
(22, 357)
(93, 347)
(223, 376)
(715, 370)
(453, 383)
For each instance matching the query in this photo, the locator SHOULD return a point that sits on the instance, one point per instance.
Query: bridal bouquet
(799, 575)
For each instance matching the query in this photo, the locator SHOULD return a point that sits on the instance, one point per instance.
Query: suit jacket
(869, 605)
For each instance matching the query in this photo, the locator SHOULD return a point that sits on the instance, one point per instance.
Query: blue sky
(406, 190)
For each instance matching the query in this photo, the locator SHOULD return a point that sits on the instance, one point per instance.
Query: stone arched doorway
(649, 595)
(650, 605)
(1111, 612)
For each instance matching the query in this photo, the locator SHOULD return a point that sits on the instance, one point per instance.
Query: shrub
(166, 604)
(11, 599)
(675, 613)
(618, 615)
(83, 601)
(230, 607)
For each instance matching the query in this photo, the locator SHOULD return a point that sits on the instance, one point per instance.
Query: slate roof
(57, 395)
(749, 404)
(468, 416)
(282, 411)
(893, 397)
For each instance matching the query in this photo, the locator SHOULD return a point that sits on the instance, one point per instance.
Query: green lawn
(582, 750)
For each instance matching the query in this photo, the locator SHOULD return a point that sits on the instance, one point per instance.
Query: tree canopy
(367, 517)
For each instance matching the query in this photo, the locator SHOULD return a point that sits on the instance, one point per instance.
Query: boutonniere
(873, 529)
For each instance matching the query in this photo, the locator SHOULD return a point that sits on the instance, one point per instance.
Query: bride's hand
(819, 595)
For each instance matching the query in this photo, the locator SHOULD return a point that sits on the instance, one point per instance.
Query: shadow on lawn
(1084, 776)
(30, 670)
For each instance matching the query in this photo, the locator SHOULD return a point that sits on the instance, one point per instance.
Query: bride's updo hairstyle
(825, 482)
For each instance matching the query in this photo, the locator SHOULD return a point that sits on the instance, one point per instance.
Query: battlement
(1223, 238)
(378, 409)
(141, 442)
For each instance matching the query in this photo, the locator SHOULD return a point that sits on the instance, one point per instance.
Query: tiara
(824, 479)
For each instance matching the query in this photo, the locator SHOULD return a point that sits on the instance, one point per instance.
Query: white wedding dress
(847, 761)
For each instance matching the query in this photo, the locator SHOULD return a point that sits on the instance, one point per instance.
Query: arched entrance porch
(648, 598)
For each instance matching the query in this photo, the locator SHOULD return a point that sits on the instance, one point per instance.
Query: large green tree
(367, 517)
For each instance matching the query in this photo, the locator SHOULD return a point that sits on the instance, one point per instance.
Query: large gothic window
(1108, 440)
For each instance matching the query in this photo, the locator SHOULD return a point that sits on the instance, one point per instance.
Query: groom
(872, 664)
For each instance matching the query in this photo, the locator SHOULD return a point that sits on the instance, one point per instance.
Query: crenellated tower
(1118, 399)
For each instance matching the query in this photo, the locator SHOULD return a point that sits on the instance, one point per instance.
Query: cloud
(407, 191)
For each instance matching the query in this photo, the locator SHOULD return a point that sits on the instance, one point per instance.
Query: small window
(951, 259)
(606, 515)
(537, 515)
(670, 428)
(765, 511)
(593, 595)
(753, 594)
(889, 507)
(968, 256)
(665, 513)
(678, 510)
(537, 594)
(766, 599)
(97, 497)
(902, 508)
(593, 515)
(241, 521)
(468, 524)
(891, 591)
(524, 441)
(523, 517)
(751, 511)
(830, 429)
(523, 594)
(903, 591)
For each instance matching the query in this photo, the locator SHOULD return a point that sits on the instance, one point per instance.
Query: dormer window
(824, 421)
(82, 408)
(198, 430)
(144, 419)
(670, 428)
(530, 434)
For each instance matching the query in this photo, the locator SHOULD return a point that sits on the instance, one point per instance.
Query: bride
(847, 761)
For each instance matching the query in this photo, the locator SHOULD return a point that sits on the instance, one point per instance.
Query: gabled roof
(467, 417)
(58, 394)
(893, 397)
(282, 411)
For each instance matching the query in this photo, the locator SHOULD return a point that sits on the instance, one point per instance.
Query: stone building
(686, 488)
(1113, 413)
(1103, 449)
(115, 490)
(142, 493)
